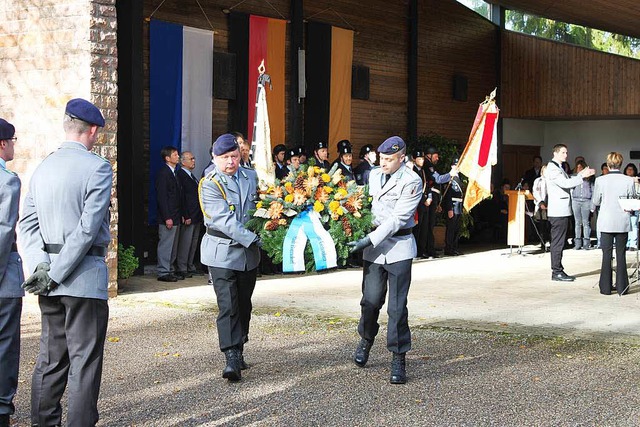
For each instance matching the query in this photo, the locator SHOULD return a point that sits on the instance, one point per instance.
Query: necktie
(386, 178)
(235, 179)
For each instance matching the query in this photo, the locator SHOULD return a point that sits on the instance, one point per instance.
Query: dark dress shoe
(196, 272)
(184, 274)
(398, 369)
(232, 371)
(178, 275)
(562, 277)
(361, 356)
(167, 278)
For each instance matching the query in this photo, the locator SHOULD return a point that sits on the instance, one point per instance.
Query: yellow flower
(258, 205)
(288, 198)
(310, 172)
(340, 210)
(289, 187)
(325, 177)
(357, 214)
(333, 206)
(340, 194)
(282, 221)
(318, 206)
(327, 189)
(317, 169)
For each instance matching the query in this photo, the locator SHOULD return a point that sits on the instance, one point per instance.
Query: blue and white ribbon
(307, 225)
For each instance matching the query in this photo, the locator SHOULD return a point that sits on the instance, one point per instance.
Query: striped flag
(180, 95)
(327, 108)
(480, 154)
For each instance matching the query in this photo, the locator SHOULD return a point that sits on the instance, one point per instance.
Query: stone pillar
(52, 51)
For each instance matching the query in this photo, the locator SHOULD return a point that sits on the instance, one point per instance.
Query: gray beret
(82, 109)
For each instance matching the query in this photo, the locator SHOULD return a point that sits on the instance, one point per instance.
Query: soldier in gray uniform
(388, 252)
(10, 276)
(230, 250)
(64, 231)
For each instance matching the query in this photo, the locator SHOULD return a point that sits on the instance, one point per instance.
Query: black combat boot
(232, 370)
(243, 364)
(362, 352)
(398, 371)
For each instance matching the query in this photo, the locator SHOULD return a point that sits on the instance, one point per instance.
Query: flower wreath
(343, 206)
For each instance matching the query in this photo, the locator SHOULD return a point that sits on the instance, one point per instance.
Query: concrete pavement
(483, 290)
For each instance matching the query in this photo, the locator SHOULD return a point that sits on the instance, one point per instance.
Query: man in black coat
(168, 195)
(193, 219)
(279, 152)
(367, 162)
(321, 155)
(530, 175)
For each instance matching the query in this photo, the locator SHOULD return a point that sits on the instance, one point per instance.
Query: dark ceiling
(616, 16)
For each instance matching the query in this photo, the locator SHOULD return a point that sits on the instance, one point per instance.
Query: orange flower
(275, 210)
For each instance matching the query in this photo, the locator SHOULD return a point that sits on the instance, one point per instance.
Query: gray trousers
(71, 350)
(187, 245)
(581, 211)
(10, 312)
(374, 289)
(233, 293)
(167, 248)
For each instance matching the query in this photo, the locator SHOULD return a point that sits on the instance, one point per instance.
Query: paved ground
(495, 343)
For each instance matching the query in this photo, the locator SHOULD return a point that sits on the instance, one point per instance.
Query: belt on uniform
(401, 232)
(216, 233)
(14, 247)
(456, 199)
(55, 248)
(435, 190)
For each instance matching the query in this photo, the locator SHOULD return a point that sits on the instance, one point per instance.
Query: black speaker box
(224, 75)
(460, 86)
(360, 82)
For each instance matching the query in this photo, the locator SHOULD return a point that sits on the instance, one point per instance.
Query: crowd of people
(564, 196)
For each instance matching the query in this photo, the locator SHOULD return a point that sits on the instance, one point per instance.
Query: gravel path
(162, 368)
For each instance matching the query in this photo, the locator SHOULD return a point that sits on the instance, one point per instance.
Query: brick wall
(50, 52)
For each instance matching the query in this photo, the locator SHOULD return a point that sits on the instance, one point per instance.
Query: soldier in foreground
(388, 252)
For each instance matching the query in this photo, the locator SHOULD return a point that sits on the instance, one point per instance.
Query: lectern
(516, 216)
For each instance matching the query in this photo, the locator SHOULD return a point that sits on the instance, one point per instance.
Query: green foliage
(574, 34)
(127, 261)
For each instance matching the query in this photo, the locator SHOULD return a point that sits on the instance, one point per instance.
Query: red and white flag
(480, 154)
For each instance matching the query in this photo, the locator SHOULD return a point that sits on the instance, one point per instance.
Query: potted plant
(127, 263)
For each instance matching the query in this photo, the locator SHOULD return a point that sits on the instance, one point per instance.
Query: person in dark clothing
(321, 155)
(367, 162)
(345, 158)
(169, 195)
(279, 152)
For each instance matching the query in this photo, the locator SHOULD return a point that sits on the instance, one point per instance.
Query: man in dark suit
(10, 276)
(168, 195)
(530, 175)
(190, 228)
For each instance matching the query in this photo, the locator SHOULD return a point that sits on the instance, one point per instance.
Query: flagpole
(488, 101)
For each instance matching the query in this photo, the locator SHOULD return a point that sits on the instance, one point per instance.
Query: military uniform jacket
(11, 276)
(608, 189)
(226, 210)
(393, 205)
(559, 186)
(362, 172)
(433, 178)
(68, 204)
(452, 200)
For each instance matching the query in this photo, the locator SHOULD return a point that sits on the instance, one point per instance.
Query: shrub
(127, 261)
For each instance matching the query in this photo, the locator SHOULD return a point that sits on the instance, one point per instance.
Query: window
(479, 6)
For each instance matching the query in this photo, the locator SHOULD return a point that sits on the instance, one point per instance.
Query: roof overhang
(616, 16)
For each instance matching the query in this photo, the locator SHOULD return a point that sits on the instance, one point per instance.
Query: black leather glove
(359, 245)
(39, 283)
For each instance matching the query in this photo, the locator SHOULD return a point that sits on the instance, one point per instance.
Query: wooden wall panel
(542, 79)
(453, 40)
